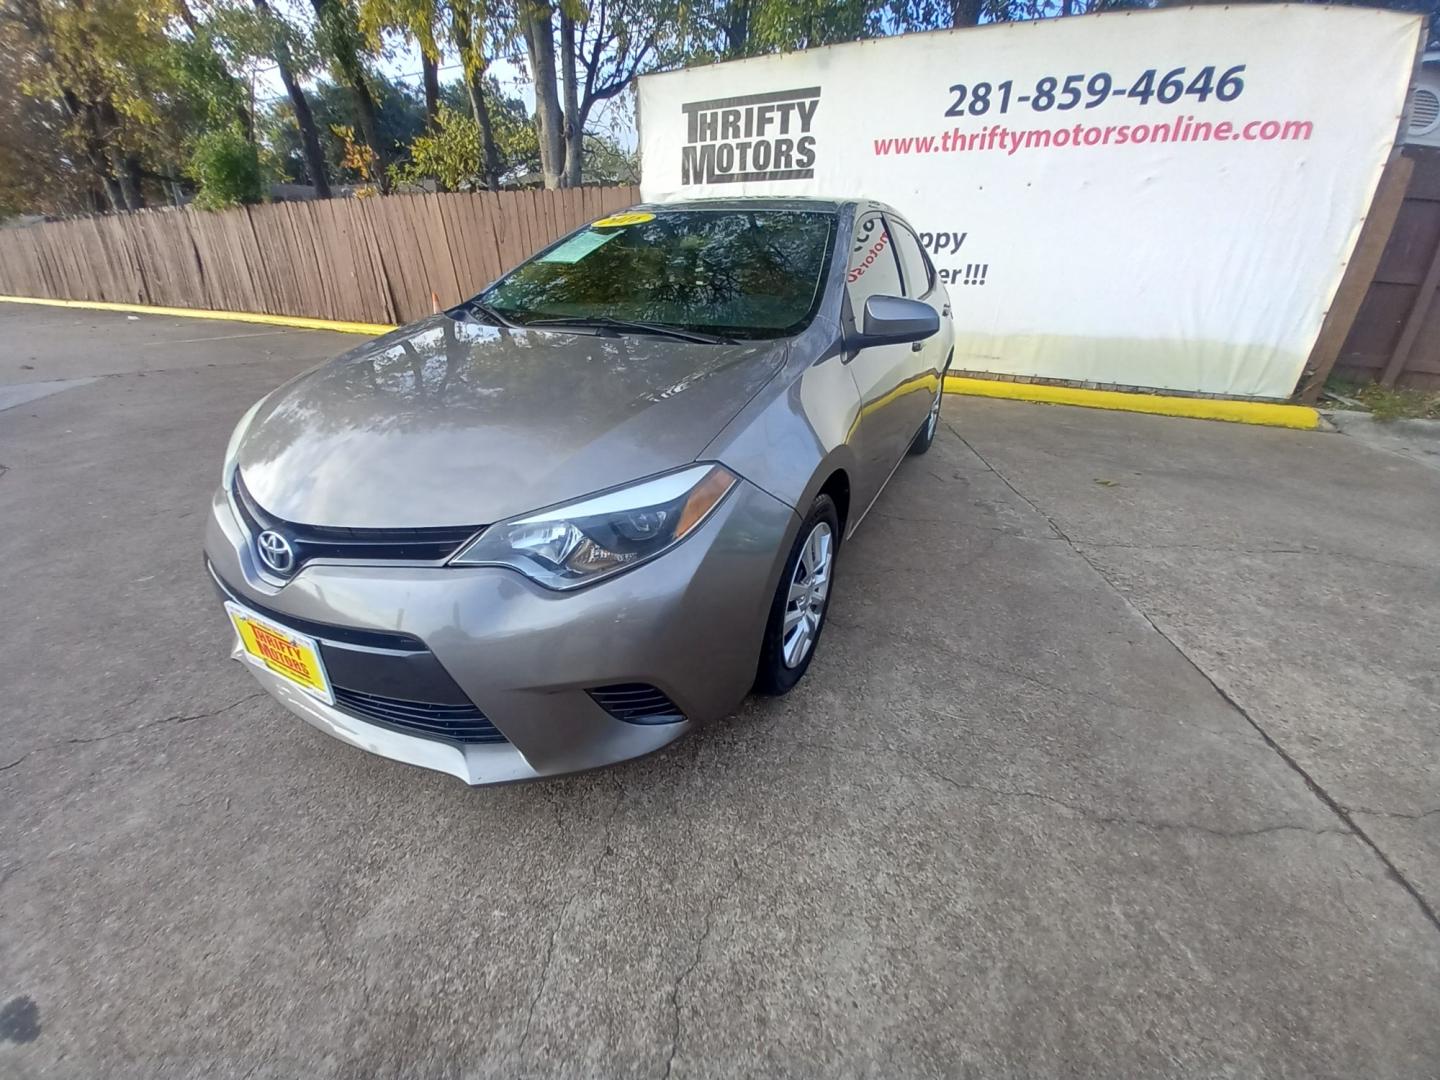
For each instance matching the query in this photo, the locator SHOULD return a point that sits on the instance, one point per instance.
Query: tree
(420, 20)
(39, 173)
(608, 162)
(338, 34)
(225, 165)
(537, 26)
(283, 46)
(399, 119)
(731, 29)
(617, 41)
(448, 154)
(472, 35)
(517, 149)
(108, 68)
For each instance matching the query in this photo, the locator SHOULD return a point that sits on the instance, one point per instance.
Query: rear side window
(919, 278)
(873, 268)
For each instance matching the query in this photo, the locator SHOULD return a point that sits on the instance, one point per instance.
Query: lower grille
(459, 723)
(637, 703)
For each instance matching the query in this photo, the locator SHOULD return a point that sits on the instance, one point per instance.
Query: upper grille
(311, 542)
(460, 723)
(637, 703)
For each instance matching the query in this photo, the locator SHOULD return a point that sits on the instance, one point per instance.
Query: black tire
(926, 435)
(776, 675)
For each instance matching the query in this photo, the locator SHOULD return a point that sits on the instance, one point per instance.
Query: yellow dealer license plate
(276, 648)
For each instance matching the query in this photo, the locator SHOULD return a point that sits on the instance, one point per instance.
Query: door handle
(945, 311)
(916, 346)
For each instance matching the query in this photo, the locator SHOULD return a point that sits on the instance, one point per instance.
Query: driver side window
(873, 269)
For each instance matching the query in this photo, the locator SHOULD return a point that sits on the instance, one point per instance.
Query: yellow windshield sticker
(619, 221)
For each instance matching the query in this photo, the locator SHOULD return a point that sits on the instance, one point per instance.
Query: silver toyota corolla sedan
(560, 524)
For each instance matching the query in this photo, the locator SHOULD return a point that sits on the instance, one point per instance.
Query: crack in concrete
(912, 519)
(1392, 813)
(544, 980)
(1221, 549)
(1144, 823)
(1310, 782)
(1063, 692)
(179, 718)
(1080, 810)
(705, 931)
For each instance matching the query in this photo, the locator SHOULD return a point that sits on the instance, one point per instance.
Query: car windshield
(731, 273)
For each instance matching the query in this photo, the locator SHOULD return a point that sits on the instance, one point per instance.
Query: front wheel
(797, 614)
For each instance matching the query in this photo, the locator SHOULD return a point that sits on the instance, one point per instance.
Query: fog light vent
(637, 703)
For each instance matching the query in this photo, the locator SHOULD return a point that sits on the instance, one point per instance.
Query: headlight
(585, 541)
(232, 449)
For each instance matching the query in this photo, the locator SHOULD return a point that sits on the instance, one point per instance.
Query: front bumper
(688, 623)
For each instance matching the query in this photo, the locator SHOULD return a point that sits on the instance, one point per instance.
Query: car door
(930, 356)
(883, 427)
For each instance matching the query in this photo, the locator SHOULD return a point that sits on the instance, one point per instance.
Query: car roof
(815, 204)
(751, 202)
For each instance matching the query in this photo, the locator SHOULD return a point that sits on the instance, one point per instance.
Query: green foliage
(515, 136)
(400, 117)
(245, 36)
(200, 73)
(807, 24)
(451, 156)
(226, 167)
(339, 38)
(1388, 403)
(417, 19)
(608, 162)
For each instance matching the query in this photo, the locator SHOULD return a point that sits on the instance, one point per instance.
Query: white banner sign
(1161, 199)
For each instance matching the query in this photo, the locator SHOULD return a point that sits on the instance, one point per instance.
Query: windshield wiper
(479, 307)
(610, 322)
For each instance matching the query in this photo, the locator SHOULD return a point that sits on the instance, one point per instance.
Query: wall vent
(1424, 111)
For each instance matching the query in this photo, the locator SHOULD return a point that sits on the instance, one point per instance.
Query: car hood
(461, 423)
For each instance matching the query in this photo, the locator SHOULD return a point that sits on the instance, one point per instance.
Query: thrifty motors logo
(755, 137)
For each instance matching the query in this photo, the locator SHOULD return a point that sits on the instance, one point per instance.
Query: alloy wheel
(809, 590)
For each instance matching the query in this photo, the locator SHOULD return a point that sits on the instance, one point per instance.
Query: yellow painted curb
(297, 321)
(1239, 412)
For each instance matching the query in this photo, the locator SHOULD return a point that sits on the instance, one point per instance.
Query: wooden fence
(1396, 334)
(380, 260)
(1384, 324)
(360, 260)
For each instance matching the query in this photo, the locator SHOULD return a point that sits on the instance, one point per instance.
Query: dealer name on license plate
(281, 651)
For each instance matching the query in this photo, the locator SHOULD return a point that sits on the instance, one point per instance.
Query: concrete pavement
(1118, 759)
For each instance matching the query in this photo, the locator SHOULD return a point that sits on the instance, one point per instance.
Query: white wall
(1188, 238)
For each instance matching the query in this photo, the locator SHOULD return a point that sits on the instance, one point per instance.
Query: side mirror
(893, 320)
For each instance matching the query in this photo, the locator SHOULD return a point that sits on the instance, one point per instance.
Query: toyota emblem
(275, 551)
